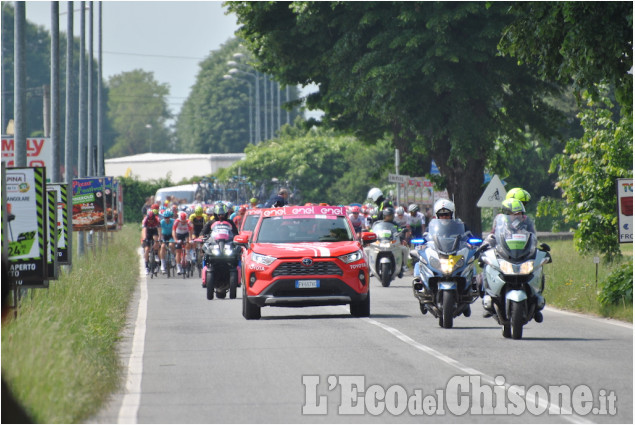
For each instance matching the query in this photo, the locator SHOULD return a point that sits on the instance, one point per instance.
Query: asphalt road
(200, 361)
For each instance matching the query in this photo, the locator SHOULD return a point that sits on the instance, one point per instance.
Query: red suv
(304, 256)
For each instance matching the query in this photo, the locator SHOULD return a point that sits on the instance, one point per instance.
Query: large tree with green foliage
(139, 112)
(319, 165)
(587, 171)
(579, 43)
(215, 117)
(427, 73)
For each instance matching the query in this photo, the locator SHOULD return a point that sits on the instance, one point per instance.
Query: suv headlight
(352, 257)
(262, 259)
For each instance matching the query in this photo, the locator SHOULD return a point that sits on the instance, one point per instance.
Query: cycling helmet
(413, 208)
(183, 207)
(355, 210)
(183, 215)
(399, 211)
(209, 211)
(198, 211)
(388, 212)
(150, 213)
(253, 201)
(517, 193)
(167, 214)
(155, 206)
(513, 206)
(155, 211)
(242, 210)
(220, 209)
(375, 193)
(443, 207)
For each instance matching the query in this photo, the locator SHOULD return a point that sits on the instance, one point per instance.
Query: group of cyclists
(174, 226)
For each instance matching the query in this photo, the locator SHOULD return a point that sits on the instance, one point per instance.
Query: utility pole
(19, 94)
(69, 124)
(90, 170)
(82, 154)
(55, 91)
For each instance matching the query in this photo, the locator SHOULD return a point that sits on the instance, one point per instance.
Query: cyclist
(181, 230)
(357, 220)
(253, 203)
(198, 220)
(417, 221)
(150, 235)
(166, 237)
(239, 217)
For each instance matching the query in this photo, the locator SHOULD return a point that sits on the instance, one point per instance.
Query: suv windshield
(304, 229)
(250, 222)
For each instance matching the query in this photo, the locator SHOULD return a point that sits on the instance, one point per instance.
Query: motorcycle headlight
(262, 259)
(216, 250)
(352, 257)
(516, 269)
(452, 262)
(435, 263)
(228, 250)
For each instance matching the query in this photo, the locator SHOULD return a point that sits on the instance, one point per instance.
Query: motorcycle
(221, 262)
(513, 279)
(445, 271)
(385, 255)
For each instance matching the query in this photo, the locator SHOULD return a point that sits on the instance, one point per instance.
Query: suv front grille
(318, 268)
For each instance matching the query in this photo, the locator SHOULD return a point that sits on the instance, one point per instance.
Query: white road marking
(132, 398)
(566, 414)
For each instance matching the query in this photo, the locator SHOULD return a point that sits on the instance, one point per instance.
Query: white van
(177, 193)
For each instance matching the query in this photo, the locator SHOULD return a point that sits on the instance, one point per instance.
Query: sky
(167, 38)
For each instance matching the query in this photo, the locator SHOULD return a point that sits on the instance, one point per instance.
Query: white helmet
(444, 206)
(375, 193)
(399, 211)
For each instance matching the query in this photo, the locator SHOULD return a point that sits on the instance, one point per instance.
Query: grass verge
(570, 282)
(59, 355)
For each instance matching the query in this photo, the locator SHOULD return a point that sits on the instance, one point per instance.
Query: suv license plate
(307, 284)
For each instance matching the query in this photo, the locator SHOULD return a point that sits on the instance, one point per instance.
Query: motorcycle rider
(388, 216)
(377, 196)
(220, 215)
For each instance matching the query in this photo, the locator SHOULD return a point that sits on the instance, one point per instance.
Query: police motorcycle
(445, 271)
(385, 255)
(513, 279)
(221, 262)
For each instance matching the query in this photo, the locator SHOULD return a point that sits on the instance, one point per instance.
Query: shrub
(618, 286)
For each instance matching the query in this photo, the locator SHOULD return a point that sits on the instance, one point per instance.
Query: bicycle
(199, 255)
(153, 262)
(186, 267)
(170, 260)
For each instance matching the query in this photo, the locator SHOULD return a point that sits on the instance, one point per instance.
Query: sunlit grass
(59, 355)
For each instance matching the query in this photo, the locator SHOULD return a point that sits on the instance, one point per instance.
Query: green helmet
(513, 206)
(220, 209)
(198, 211)
(517, 193)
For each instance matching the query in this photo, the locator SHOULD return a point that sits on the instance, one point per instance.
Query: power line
(153, 56)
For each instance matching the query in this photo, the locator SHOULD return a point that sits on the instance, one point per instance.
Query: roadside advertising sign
(110, 202)
(625, 210)
(62, 221)
(39, 151)
(51, 202)
(88, 204)
(119, 204)
(28, 226)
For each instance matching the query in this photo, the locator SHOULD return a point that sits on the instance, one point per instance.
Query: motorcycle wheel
(448, 309)
(209, 284)
(516, 313)
(385, 275)
(233, 284)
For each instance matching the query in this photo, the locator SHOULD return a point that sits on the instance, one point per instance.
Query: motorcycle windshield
(385, 231)
(513, 239)
(446, 235)
(222, 232)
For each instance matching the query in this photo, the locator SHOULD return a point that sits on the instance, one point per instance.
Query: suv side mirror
(241, 240)
(368, 237)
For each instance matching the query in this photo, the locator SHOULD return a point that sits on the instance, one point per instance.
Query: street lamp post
(229, 77)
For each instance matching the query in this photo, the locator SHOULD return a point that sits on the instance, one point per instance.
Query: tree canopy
(427, 73)
(139, 111)
(215, 117)
(318, 165)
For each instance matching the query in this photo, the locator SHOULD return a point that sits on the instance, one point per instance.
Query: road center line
(132, 398)
(566, 414)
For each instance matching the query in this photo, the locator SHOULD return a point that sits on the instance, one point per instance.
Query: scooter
(513, 279)
(445, 271)
(385, 255)
(221, 262)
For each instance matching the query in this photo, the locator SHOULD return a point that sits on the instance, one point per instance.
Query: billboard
(625, 210)
(39, 151)
(88, 204)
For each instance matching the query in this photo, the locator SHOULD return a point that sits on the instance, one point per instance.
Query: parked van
(177, 193)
